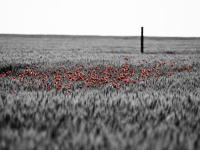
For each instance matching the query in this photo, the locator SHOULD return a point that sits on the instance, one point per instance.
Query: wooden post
(142, 41)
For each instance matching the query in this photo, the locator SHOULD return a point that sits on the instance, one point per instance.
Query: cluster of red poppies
(115, 76)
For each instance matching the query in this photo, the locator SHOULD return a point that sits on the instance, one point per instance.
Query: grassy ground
(161, 112)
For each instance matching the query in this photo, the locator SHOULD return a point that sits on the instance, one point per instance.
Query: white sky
(101, 17)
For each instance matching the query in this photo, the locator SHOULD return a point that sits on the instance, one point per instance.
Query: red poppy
(187, 67)
(149, 70)
(57, 79)
(126, 58)
(181, 67)
(43, 79)
(8, 72)
(58, 86)
(159, 64)
(127, 79)
(48, 70)
(115, 86)
(1, 75)
(49, 88)
(134, 81)
(88, 84)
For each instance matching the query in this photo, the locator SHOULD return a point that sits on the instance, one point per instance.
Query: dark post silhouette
(142, 41)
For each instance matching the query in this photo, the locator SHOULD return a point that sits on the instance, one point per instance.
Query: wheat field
(90, 92)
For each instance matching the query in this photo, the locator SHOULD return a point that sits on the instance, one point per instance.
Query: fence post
(142, 40)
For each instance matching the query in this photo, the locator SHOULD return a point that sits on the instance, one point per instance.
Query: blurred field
(161, 113)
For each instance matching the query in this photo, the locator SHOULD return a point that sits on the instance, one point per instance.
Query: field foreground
(99, 93)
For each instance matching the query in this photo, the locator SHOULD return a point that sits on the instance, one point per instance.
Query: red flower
(127, 79)
(57, 79)
(49, 88)
(134, 81)
(108, 67)
(126, 58)
(149, 70)
(43, 79)
(8, 72)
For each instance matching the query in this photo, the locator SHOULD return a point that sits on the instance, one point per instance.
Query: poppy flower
(43, 79)
(143, 79)
(58, 86)
(168, 74)
(49, 88)
(1, 75)
(115, 86)
(8, 72)
(159, 64)
(149, 70)
(100, 83)
(57, 79)
(126, 58)
(38, 83)
(88, 84)
(134, 81)
(187, 67)
(127, 79)
(45, 86)
(153, 67)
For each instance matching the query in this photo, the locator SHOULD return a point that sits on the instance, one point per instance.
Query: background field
(162, 113)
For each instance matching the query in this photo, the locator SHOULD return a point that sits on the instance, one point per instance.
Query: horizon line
(16, 34)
